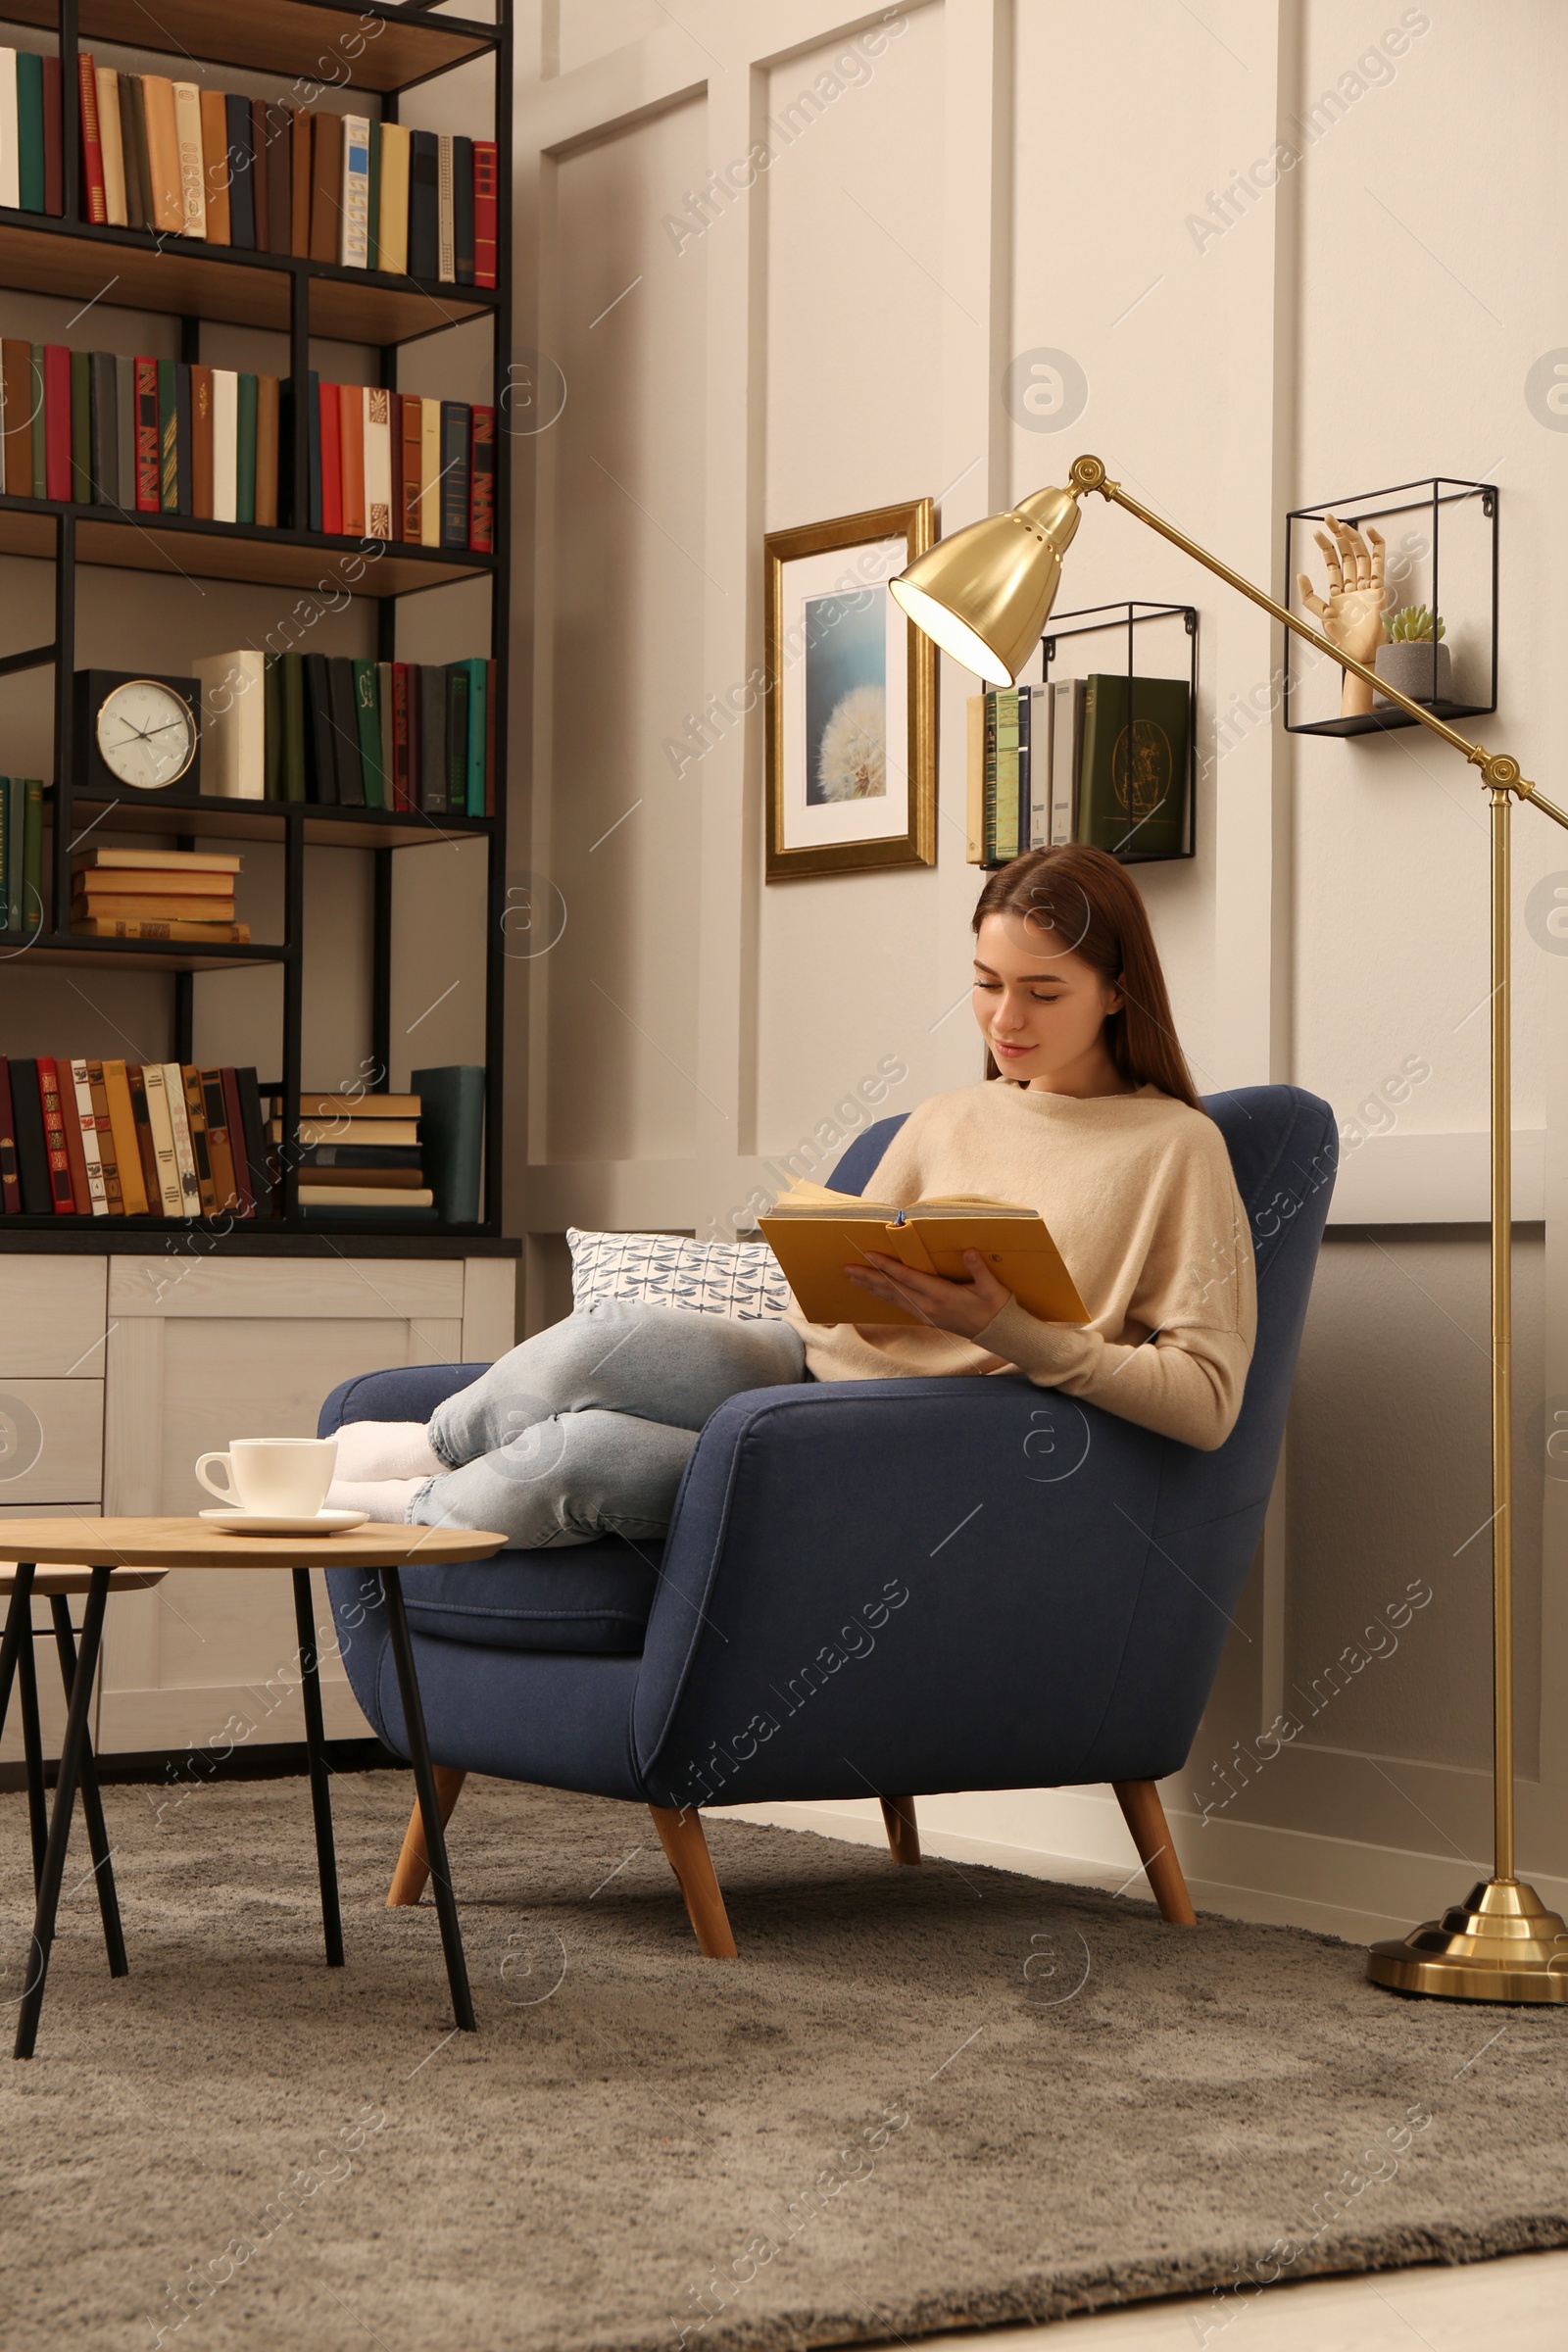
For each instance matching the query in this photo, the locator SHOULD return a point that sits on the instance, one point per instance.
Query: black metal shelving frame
(256, 555)
(1132, 616)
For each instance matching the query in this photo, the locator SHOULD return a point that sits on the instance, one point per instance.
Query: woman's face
(1041, 1009)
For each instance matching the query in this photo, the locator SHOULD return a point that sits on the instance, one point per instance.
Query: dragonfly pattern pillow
(743, 1280)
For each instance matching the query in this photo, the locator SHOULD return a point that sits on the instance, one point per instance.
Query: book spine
(10, 159)
(196, 1123)
(94, 195)
(126, 430)
(192, 172)
(392, 228)
(104, 1136)
(10, 1177)
(373, 223)
(116, 926)
(54, 127)
(32, 1154)
(163, 153)
(184, 486)
(82, 428)
(30, 130)
(266, 450)
(234, 1121)
(57, 406)
(458, 738)
(402, 798)
(367, 718)
(351, 459)
(122, 1130)
(245, 449)
(384, 719)
(326, 186)
(201, 442)
(473, 781)
(166, 1141)
(133, 148)
(321, 768)
(255, 1151)
(301, 182)
(63, 1200)
(136, 1081)
(147, 458)
(329, 414)
(219, 1151)
(16, 377)
(32, 855)
(272, 730)
(111, 145)
(483, 482)
(433, 739)
(463, 209)
(376, 428)
(169, 437)
(411, 442)
(490, 730)
(240, 172)
(261, 166)
(453, 474)
(425, 205)
(291, 695)
(216, 167)
(355, 199)
(485, 210)
(103, 427)
(226, 444)
(76, 1116)
(345, 732)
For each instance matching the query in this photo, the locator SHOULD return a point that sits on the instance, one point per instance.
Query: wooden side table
(102, 1546)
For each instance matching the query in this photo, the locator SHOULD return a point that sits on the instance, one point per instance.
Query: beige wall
(1010, 175)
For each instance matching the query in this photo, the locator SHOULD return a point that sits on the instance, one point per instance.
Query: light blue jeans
(584, 1430)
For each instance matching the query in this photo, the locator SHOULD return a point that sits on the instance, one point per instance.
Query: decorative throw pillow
(743, 1280)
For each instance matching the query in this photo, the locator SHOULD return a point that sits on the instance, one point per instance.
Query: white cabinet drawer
(51, 1441)
(52, 1315)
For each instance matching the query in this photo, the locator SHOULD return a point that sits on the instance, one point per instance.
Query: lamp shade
(985, 594)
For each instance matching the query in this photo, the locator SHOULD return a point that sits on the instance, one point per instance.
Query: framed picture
(851, 737)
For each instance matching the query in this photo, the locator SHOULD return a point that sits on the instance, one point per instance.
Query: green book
(245, 458)
(32, 855)
(29, 129)
(372, 253)
(40, 437)
(82, 428)
(367, 720)
(451, 1136)
(292, 699)
(5, 854)
(169, 437)
(457, 737)
(16, 805)
(273, 729)
(478, 684)
(1132, 777)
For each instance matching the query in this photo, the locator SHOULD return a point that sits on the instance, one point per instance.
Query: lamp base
(1502, 1944)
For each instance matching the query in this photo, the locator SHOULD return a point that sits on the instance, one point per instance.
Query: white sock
(385, 1449)
(384, 1498)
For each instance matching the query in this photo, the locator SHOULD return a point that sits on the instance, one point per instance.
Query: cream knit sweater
(1138, 1192)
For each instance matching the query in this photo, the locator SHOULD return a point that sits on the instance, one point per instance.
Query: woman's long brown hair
(1090, 905)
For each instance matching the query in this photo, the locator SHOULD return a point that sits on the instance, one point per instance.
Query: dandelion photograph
(850, 740)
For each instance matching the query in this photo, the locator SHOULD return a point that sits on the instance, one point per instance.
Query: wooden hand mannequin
(1353, 616)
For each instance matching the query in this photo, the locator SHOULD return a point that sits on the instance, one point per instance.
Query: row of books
(268, 177)
(119, 1139)
(32, 154)
(156, 436)
(398, 735)
(360, 1153)
(22, 802)
(156, 894)
(1102, 759)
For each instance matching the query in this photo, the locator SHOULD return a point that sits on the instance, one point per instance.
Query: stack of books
(156, 894)
(358, 1152)
(158, 438)
(21, 805)
(31, 124)
(119, 1139)
(268, 177)
(350, 734)
(1102, 759)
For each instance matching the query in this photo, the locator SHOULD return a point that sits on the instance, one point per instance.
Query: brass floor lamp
(984, 596)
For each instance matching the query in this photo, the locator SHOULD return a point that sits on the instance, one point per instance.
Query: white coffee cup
(286, 1477)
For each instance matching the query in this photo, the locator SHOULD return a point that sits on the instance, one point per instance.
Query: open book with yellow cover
(814, 1234)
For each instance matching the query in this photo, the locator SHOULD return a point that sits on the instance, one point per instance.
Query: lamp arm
(1498, 769)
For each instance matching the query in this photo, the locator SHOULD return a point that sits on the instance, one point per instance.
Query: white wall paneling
(949, 187)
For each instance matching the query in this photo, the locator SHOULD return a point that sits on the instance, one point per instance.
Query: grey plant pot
(1409, 666)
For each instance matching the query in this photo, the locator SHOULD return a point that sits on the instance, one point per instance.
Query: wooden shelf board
(268, 820)
(216, 552)
(128, 955)
(274, 36)
(189, 279)
(267, 1237)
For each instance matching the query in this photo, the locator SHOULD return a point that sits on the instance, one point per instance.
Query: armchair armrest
(898, 1585)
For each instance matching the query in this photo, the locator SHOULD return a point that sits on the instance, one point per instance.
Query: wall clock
(137, 734)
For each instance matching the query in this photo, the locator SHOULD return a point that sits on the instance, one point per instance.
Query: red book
(70, 1115)
(10, 1181)
(351, 444)
(414, 784)
(54, 1136)
(485, 181)
(57, 421)
(331, 460)
(482, 480)
(400, 736)
(149, 494)
(94, 203)
(490, 738)
(246, 1202)
(54, 153)
(411, 433)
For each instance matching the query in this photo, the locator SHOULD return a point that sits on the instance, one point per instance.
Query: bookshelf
(375, 49)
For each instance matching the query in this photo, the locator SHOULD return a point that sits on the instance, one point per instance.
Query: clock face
(146, 734)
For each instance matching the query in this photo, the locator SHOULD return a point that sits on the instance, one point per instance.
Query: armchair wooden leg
(904, 1835)
(680, 1833)
(1144, 1815)
(414, 1863)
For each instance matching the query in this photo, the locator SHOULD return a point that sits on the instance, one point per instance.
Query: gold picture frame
(846, 793)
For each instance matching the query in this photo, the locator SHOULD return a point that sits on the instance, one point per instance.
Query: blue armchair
(896, 1586)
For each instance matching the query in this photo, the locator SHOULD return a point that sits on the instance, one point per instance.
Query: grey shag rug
(921, 2100)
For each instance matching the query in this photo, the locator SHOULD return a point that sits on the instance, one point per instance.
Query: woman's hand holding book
(966, 1307)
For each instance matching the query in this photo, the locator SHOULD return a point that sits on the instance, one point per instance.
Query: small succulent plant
(1413, 624)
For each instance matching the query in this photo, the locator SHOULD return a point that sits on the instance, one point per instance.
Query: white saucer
(270, 1523)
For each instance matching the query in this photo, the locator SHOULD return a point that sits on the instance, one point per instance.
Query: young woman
(1089, 1115)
